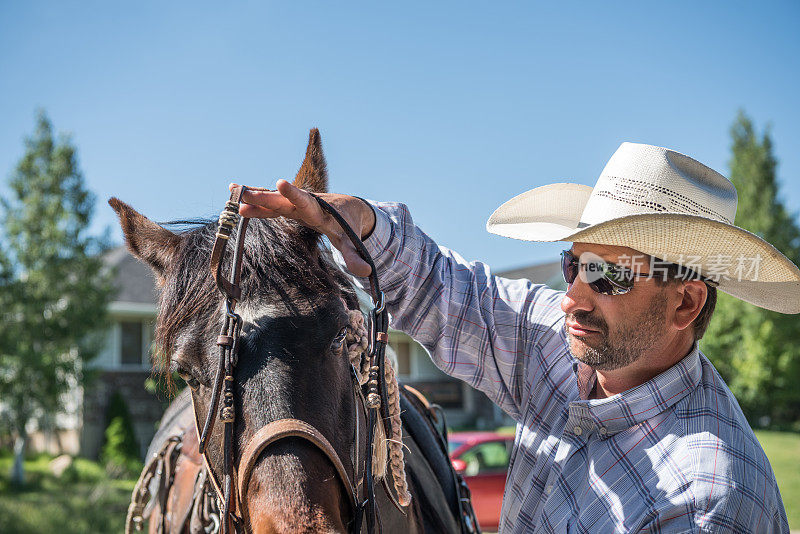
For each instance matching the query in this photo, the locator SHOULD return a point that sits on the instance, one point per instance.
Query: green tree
(54, 289)
(120, 451)
(756, 350)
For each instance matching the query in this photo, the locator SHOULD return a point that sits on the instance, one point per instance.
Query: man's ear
(148, 241)
(694, 294)
(313, 173)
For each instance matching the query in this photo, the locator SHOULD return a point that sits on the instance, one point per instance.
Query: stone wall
(145, 408)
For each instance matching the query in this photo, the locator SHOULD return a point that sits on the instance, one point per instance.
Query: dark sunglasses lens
(613, 280)
(620, 276)
(569, 266)
(603, 286)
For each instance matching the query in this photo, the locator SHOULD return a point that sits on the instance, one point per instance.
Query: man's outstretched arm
(478, 328)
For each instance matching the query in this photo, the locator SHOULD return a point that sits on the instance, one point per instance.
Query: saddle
(173, 493)
(425, 425)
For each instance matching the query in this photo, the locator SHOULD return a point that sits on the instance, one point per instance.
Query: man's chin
(579, 345)
(588, 354)
(579, 350)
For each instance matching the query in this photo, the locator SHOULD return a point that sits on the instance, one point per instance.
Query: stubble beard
(623, 345)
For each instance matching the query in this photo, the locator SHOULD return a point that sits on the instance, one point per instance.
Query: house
(464, 406)
(124, 364)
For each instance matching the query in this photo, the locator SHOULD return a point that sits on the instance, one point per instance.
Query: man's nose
(579, 296)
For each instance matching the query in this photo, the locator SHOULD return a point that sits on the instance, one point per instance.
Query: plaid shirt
(674, 454)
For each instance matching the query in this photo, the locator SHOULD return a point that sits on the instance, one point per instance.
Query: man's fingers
(252, 211)
(355, 264)
(308, 209)
(297, 196)
(270, 200)
(294, 203)
(249, 187)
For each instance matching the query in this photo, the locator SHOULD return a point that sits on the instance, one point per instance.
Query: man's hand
(289, 201)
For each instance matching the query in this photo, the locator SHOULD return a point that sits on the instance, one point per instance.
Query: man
(622, 424)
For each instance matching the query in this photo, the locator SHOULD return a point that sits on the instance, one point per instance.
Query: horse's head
(292, 361)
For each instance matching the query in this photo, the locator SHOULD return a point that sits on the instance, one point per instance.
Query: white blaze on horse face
(251, 314)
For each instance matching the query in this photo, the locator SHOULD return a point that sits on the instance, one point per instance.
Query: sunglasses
(602, 276)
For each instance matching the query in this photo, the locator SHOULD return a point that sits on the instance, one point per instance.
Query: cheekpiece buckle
(381, 304)
(229, 303)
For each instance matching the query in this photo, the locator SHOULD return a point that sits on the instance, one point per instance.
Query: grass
(783, 451)
(86, 500)
(83, 500)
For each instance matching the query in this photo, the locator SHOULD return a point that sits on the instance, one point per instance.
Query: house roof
(137, 285)
(133, 278)
(542, 273)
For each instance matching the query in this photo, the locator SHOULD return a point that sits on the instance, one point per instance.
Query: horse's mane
(282, 260)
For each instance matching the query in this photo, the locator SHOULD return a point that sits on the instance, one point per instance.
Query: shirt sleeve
(477, 327)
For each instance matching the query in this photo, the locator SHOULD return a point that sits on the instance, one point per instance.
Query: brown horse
(298, 309)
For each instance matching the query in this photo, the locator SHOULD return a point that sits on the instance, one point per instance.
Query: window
(447, 393)
(402, 349)
(131, 343)
(489, 457)
(425, 369)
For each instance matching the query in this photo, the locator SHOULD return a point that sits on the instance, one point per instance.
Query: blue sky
(450, 107)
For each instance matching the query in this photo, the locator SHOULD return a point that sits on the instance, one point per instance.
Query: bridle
(232, 493)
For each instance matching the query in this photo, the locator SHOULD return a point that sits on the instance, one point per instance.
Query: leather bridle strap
(379, 319)
(227, 220)
(228, 341)
(377, 395)
(232, 291)
(286, 428)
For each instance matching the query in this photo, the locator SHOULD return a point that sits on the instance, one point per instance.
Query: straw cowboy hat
(664, 204)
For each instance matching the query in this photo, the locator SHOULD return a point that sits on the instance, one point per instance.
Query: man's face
(609, 332)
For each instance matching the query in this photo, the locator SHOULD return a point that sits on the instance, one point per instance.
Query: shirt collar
(624, 410)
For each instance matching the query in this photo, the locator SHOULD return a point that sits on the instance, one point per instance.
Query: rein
(231, 493)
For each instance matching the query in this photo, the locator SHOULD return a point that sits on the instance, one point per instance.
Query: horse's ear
(313, 173)
(148, 241)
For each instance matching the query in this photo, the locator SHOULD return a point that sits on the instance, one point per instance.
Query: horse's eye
(191, 381)
(338, 341)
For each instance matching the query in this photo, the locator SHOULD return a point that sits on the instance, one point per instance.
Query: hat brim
(552, 213)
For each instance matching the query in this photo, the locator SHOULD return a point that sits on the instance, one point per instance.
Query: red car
(482, 459)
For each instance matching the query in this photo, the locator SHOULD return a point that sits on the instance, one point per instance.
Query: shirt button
(549, 489)
(578, 430)
(603, 431)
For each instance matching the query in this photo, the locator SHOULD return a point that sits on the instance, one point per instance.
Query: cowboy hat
(664, 204)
